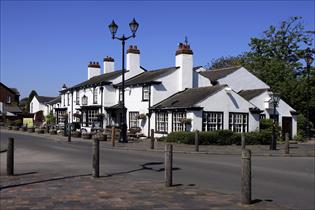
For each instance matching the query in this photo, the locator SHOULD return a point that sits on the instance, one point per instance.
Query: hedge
(220, 137)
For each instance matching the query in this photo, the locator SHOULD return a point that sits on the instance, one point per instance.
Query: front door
(287, 126)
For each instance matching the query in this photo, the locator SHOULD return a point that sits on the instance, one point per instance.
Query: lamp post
(113, 29)
(309, 60)
(274, 100)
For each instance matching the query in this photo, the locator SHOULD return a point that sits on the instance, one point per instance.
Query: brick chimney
(109, 64)
(184, 60)
(94, 69)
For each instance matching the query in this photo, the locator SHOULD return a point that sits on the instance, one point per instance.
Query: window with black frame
(145, 93)
(212, 121)
(133, 119)
(161, 122)
(177, 121)
(238, 122)
(68, 98)
(120, 95)
(94, 96)
(77, 100)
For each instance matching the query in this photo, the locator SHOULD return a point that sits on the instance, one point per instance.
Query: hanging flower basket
(100, 116)
(142, 116)
(77, 115)
(186, 121)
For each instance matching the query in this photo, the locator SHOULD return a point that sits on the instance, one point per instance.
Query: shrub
(18, 122)
(220, 137)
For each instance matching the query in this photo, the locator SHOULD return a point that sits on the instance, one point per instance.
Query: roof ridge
(226, 68)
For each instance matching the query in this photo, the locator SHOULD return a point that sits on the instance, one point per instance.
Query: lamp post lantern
(309, 60)
(113, 27)
(275, 101)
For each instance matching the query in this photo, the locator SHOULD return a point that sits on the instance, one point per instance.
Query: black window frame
(211, 112)
(137, 120)
(77, 99)
(68, 98)
(173, 123)
(143, 90)
(165, 121)
(233, 124)
(94, 93)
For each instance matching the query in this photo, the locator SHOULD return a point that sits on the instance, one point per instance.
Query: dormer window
(94, 96)
(84, 100)
(145, 93)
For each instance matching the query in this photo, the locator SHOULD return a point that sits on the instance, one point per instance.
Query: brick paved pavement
(121, 191)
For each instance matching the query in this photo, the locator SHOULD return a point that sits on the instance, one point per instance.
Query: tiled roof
(188, 98)
(55, 100)
(102, 79)
(11, 108)
(215, 74)
(44, 99)
(15, 91)
(148, 76)
(250, 94)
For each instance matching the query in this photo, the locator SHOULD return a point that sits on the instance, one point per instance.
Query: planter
(76, 134)
(31, 130)
(100, 137)
(40, 131)
(86, 136)
(53, 132)
(24, 129)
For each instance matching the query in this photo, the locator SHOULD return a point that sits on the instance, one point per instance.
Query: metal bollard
(69, 132)
(243, 140)
(246, 188)
(10, 157)
(152, 139)
(168, 165)
(286, 144)
(96, 158)
(197, 141)
(113, 136)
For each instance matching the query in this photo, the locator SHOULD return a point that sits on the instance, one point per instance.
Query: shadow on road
(42, 181)
(145, 166)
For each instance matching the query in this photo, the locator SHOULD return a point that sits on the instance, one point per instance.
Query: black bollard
(246, 188)
(286, 144)
(197, 141)
(168, 165)
(96, 158)
(10, 157)
(69, 132)
(152, 139)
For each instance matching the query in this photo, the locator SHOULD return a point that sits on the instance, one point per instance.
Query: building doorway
(287, 126)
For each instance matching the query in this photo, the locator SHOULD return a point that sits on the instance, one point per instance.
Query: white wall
(283, 110)
(37, 106)
(225, 102)
(168, 87)
(242, 79)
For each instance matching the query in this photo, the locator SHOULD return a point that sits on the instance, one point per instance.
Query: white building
(164, 99)
(257, 92)
(39, 103)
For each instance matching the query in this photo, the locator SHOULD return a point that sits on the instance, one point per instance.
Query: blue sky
(47, 43)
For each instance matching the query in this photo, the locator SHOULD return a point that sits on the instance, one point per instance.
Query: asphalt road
(286, 180)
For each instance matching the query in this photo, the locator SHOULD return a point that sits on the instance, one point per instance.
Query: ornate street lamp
(113, 27)
(309, 60)
(275, 98)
